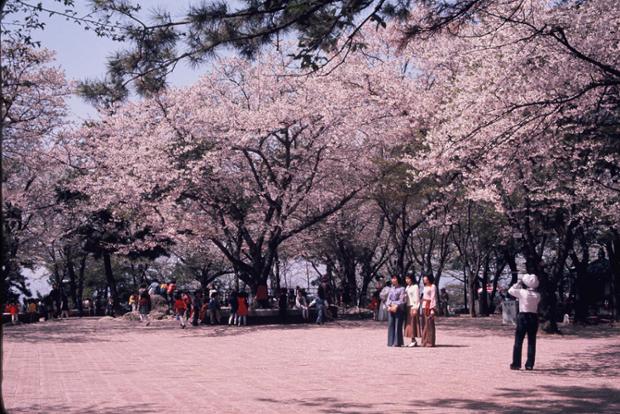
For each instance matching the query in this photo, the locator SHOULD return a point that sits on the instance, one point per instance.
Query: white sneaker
(412, 345)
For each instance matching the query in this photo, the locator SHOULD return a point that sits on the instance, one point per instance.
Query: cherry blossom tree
(250, 157)
(33, 111)
(536, 97)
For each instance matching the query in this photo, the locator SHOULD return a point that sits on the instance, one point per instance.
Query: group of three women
(405, 307)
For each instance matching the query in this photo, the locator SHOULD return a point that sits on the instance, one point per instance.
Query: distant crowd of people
(192, 307)
(189, 307)
(55, 305)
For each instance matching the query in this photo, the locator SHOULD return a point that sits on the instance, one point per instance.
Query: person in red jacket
(13, 309)
(188, 305)
(242, 308)
(180, 307)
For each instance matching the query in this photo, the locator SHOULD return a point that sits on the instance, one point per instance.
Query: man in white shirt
(527, 320)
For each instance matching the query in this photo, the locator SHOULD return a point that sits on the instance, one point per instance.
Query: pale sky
(82, 54)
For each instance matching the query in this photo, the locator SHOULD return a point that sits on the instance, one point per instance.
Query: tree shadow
(227, 330)
(546, 398)
(589, 331)
(475, 327)
(596, 362)
(329, 405)
(135, 408)
(492, 325)
(102, 329)
(60, 332)
(451, 346)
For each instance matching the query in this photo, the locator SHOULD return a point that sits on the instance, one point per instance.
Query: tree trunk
(484, 304)
(439, 300)
(511, 259)
(133, 276)
(613, 253)
(80, 285)
(500, 265)
(581, 289)
(107, 264)
(350, 293)
(2, 409)
(465, 302)
(472, 292)
(367, 276)
(547, 289)
(72, 279)
(276, 278)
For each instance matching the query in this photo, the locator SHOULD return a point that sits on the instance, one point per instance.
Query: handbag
(427, 308)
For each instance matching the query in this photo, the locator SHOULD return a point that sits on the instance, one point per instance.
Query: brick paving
(111, 366)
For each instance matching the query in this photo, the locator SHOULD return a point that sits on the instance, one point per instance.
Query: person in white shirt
(412, 323)
(527, 319)
(302, 303)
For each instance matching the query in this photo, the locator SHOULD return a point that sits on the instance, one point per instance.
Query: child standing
(64, 307)
(179, 309)
(214, 308)
(12, 309)
(302, 303)
(283, 305)
(188, 305)
(32, 311)
(242, 308)
(233, 301)
(319, 301)
(145, 307)
(133, 302)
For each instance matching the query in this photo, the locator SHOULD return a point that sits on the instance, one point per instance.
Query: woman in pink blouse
(429, 308)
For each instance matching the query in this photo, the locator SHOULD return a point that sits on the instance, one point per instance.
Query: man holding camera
(527, 319)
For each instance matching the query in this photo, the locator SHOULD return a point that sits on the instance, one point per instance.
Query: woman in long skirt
(412, 323)
(429, 307)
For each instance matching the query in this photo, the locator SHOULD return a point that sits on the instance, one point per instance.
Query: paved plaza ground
(112, 366)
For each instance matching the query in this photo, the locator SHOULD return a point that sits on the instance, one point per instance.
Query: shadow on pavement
(596, 362)
(329, 405)
(589, 331)
(475, 327)
(547, 399)
(137, 408)
(89, 330)
(492, 325)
